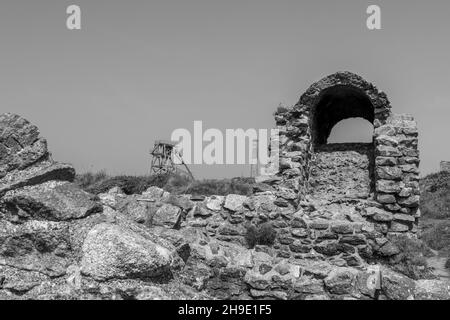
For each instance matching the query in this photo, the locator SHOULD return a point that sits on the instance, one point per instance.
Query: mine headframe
(163, 155)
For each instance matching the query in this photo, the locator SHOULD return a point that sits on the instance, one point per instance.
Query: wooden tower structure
(163, 155)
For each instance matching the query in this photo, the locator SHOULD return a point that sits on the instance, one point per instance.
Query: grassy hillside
(435, 208)
(174, 183)
(435, 195)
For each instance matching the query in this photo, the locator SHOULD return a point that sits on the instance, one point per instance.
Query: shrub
(280, 109)
(435, 195)
(437, 236)
(129, 184)
(447, 264)
(411, 260)
(176, 183)
(88, 179)
(251, 236)
(264, 234)
(172, 182)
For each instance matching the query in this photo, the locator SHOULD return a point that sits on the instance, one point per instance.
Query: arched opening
(336, 104)
(342, 167)
(353, 130)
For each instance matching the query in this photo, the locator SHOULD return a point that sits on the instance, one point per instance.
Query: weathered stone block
(389, 186)
(307, 285)
(386, 161)
(214, 203)
(388, 249)
(342, 227)
(299, 247)
(381, 215)
(319, 224)
(355, 240)
(234, 202)
(397, 226)
(392, 207)
(404, 217)
(386, 129)
(388, 151)
(389, 173)
(386, 198)
(410, 202)
(386, 140)
(300, 233)
(410, 168)
(113, 252)
(55, 201)
(396, 286)
(341, 281)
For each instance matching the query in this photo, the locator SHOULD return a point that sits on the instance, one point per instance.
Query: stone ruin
(385, 172)
(339, 202)
(335, 209)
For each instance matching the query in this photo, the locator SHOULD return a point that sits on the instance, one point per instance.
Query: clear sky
(140, 69)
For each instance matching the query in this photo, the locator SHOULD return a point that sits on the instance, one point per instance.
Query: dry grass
(411, 260)
(174, 183)
(435, 195)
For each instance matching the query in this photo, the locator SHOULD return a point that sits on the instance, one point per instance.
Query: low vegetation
(436, 235)
(263, 234)
(435, 209)
(412, 259)
(435, 196)
(281, 109)
(174, 183)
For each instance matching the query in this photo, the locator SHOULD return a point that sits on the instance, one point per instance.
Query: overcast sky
(140, 69)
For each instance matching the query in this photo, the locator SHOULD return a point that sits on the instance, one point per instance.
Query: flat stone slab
(54, 201)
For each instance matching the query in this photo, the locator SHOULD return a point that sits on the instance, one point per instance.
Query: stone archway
(336, 104)
(390, 162)
(340, 169)
(307, 125)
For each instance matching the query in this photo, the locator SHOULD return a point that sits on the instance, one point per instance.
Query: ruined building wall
(306, 126)
(298, 130)
(316, 220)
(396, 155)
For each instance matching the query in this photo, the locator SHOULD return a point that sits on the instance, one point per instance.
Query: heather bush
(264, 234)
(435, 195)
(411, 260)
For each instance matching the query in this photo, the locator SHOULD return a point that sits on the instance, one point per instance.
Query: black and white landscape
(312, 165)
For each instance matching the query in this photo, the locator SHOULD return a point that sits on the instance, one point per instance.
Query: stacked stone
(379, 99)
(397, 171)
(296, 132)
(295, 150)
(300, 233)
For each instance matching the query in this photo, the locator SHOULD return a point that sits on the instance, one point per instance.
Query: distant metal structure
(163, 154)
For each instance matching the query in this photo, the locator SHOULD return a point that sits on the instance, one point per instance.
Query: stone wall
(315, 255)
(299, 126)
(394, 168)
(397, 171)
(60, 242)
(337, 203)
(345, 234)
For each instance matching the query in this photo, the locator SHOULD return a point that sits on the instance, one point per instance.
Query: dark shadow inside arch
(336, 104)
(351, 161)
